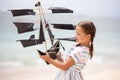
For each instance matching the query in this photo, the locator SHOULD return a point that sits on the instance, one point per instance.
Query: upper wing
(21, 12)
(60, 10)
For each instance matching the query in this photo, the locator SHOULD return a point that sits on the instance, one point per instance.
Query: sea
(13, 54)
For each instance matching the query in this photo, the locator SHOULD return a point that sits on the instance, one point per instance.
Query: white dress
(80, 55)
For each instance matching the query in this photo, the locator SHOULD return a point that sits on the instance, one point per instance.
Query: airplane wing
(22, 12)
(27, 43)
(60, 10)
(67, 39)
(24, 27)
(64, 26)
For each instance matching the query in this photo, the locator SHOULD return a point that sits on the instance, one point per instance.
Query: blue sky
(105, 8)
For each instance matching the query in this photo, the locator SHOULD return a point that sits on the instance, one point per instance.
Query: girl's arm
(62, 65)
(60, 59)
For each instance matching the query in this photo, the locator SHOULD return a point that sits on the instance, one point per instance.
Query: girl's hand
(45, 57)
(59, 55)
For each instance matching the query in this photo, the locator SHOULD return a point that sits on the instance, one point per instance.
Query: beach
(102, 70)
(94, 70)
(26, 73)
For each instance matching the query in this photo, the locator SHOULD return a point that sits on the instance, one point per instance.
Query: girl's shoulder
(79, 53)
(82, 49)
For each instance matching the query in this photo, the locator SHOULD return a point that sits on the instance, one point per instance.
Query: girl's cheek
(79, 40)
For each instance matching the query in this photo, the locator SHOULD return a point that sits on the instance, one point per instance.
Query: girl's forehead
(79, 29)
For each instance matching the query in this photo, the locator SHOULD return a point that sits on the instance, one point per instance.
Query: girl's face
(81, 36)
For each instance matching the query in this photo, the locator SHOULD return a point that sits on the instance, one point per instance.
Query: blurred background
(24, 63)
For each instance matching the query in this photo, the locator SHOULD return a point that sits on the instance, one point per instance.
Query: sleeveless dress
(80, 55)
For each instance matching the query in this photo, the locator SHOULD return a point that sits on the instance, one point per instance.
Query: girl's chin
(77, 41)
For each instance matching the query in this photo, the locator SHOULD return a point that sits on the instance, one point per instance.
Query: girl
(78, 55)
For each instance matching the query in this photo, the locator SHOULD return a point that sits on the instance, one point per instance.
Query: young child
(78, 55)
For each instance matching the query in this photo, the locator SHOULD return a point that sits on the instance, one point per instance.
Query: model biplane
(23, 27)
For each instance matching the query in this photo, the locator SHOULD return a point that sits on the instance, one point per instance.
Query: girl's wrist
(50, 60)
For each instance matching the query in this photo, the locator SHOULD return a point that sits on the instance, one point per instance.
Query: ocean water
(106, 44)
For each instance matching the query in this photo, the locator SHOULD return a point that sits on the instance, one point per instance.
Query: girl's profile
(78, 55)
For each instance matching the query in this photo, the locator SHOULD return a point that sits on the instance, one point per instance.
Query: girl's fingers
(59, 55)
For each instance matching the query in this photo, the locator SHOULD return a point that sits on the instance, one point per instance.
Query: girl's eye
(78, 34)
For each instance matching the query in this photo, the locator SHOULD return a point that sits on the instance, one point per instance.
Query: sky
(97, 8)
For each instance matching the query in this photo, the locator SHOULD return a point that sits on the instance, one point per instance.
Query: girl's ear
(88, 37)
